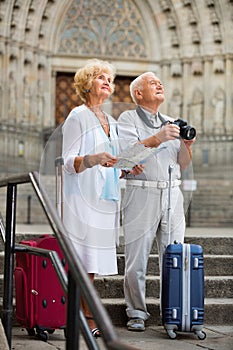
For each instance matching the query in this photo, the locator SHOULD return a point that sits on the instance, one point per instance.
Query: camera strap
(148, 123)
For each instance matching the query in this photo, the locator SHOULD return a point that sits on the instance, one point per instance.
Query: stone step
(211, 244)
(112, 287)
(217, 311)
(219, 245)
(213, 191)
(206, 184)
(215, 223)
(212, 203)
(215, 265)
(221, 196)
(204, 212)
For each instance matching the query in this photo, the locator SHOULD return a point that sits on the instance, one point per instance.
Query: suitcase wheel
(43, 336)
(43, 333)
(201, 335)
(171, 334)
(31, 332)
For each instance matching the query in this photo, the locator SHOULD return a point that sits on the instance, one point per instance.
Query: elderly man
(145, 201)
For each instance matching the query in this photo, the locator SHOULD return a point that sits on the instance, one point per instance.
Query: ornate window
(103, 28)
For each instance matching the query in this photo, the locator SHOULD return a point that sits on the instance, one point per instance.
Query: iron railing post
(73, 321)
(7, 312)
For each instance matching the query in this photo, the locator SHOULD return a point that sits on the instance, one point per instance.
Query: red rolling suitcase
(40, 299)
(182, 286)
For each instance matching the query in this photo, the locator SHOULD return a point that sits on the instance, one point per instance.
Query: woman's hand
(105, 159)
(88, 161)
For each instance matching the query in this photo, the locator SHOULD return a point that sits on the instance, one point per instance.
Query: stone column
(207, 95)
(229, 95)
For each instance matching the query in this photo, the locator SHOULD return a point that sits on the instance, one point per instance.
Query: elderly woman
(91, 210)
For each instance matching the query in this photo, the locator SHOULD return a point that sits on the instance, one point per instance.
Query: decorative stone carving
(40, 102)
(42, 31)
(46, 14)
(2, 12)
(18, 4)
(176, 68)
(171, 22)
(30, 22)
(99, 28)
(218, 65)
(196, 110)
(187, 2)
(196, 37)
(197, 67)
(210, 3)
(28, 58)
(27, 94)
(175, 40)
(32, 7)
(1, 95)
(217, 34)
(218, 102)
(2, 48)
(12, 98)
(175, 104)
(214, 17)
(13, 52)
(192, 19)
(165, 5)
(42, 62)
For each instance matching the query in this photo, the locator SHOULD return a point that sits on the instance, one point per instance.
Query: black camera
(187, 132)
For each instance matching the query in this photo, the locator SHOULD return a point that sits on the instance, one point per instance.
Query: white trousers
(145, 213)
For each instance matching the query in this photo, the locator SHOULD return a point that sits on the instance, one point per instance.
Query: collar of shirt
(153, 118)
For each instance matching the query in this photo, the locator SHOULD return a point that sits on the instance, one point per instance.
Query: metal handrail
(2, 229)
(78, 281)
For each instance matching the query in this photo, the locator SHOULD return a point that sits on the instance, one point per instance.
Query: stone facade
(187, 43)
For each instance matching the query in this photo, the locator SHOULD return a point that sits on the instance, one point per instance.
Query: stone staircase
(218, 252)
(212, 203)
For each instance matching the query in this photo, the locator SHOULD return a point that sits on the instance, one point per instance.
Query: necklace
(103, 120)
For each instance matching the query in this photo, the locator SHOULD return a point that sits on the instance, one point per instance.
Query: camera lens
(190, 133)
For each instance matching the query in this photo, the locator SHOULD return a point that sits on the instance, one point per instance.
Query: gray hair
(137, 83)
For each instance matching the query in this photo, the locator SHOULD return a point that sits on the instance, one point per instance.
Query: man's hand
(168, 132)
(137, 169)
(188, 143)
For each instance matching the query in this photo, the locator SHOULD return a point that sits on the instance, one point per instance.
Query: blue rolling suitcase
(183, 289)
(182, 286)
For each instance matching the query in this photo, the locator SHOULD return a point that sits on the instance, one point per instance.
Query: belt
(156, 184)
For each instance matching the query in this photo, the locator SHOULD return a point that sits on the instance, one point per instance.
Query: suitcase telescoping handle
(59, 169)
(170, 169)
